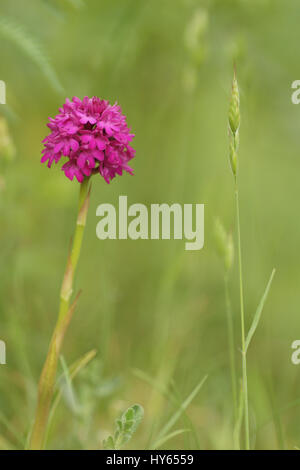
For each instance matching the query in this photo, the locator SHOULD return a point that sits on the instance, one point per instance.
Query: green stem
(48, 375)
(231, 348)
(244, 353)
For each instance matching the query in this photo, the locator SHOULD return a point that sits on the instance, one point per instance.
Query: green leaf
(109, 443)
(174, 418)
(259, 312)
(162, 441)
(11, 429)
(80, 364)
(74, 369)
(126, 426)
(68, 389)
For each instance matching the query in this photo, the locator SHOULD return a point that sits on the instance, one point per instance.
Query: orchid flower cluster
(93, 135)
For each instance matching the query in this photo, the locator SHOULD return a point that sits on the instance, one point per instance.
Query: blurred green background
(154, 312)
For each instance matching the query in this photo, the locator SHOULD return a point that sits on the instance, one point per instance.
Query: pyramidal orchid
(94, 138)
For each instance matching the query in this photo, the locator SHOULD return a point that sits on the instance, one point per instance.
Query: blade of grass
(70, 394)
(259, 311)
(74, 369)
(19, 438)
(188, 423)
(281, 410)
(171, 397)
(161, 388)
(174, 418)
(162, 441)
(5, 444)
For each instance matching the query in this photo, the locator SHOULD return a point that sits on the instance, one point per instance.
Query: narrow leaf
(259, 312)
(78, 365)
(162, 441)
(68, 388)
(7, 424)
(74, 369)
(153, 383)
(5, 444)
(174, 418)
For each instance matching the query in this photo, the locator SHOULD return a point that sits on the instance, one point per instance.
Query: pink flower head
(94, 137)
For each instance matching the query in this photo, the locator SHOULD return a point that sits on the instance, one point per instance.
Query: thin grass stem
(244, 353)
(231, 348)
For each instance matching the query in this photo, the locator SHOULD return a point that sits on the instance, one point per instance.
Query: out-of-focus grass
(151, 305)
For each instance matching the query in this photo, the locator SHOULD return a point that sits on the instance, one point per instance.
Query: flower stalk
(242, 309)
(48, 375)
(234, 125)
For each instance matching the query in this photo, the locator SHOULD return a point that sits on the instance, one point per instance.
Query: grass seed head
(233, 125)
(234, 107)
